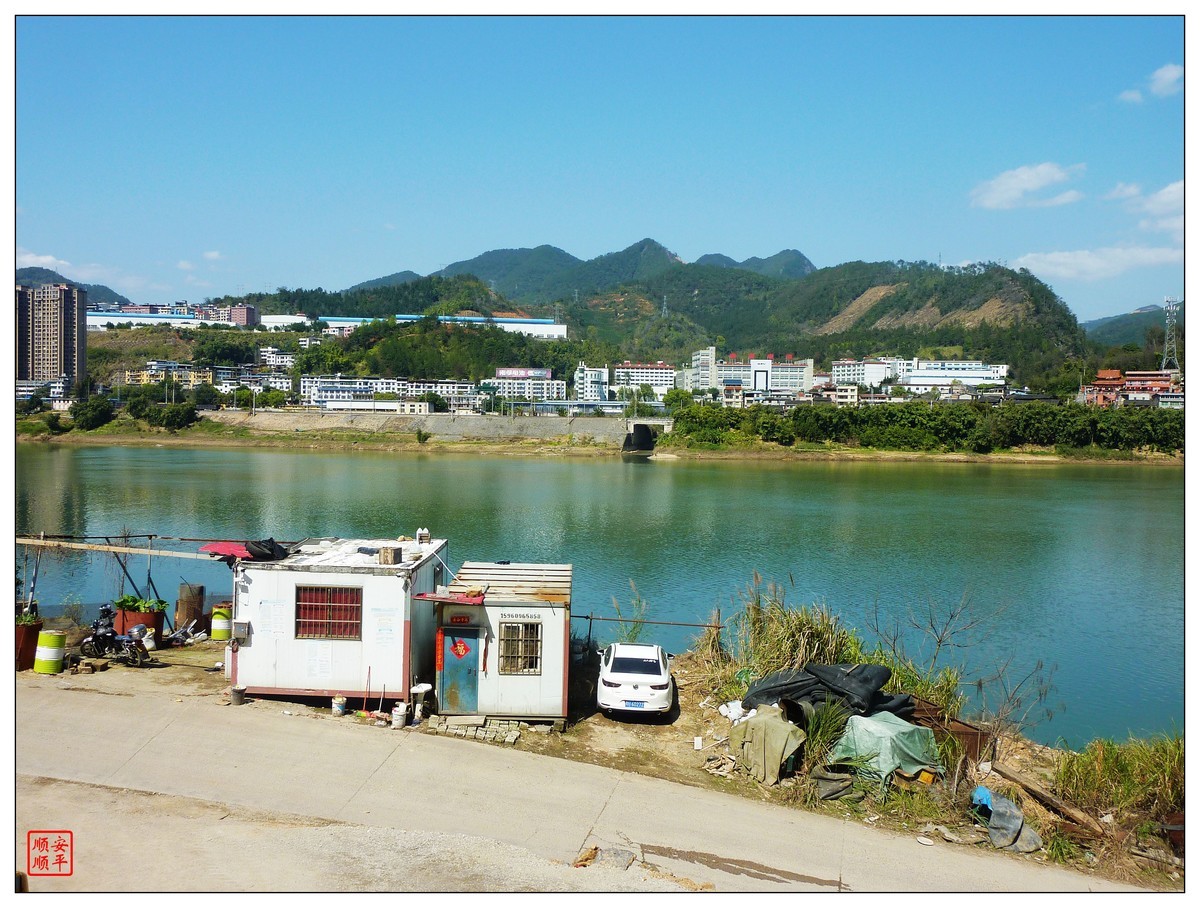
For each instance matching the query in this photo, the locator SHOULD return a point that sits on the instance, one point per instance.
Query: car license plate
(635, 704)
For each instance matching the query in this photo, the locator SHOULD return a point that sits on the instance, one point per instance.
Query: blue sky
(179, 158)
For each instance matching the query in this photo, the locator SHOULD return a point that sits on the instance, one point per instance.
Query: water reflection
(1081, 565)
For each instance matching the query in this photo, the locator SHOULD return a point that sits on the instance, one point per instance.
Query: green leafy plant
(28, 618)
(131, 603)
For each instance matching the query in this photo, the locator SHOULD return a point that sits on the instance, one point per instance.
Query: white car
(636, 678)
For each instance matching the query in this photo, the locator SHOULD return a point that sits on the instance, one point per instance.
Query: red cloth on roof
(234, 549)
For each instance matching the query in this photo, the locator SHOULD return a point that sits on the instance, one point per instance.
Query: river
(1079, 567)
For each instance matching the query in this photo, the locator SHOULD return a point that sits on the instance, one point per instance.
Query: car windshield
(634, 665)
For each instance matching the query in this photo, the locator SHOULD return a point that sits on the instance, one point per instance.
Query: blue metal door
(460, 670)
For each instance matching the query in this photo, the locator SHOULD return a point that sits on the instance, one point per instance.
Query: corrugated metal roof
(550, 583)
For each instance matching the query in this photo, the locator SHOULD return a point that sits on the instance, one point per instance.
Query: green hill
(1129, 328)
(521, 274)
(97, 293)
(391, 280)
(787, 263)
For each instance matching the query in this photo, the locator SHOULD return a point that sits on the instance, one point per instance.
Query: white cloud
(1130, 96)
(1125, 191)
(1097, 264)
(212, 256)
(27, 259)
(1167, 201)
(1016, 188)
(193, 281)
(185, 265)
(1167, 80)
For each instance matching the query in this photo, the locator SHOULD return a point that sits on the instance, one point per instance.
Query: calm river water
(1080, 567)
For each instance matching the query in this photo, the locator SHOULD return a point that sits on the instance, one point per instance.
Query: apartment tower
(51, 333)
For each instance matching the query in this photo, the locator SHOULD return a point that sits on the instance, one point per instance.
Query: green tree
(92, 413)
(676, 398)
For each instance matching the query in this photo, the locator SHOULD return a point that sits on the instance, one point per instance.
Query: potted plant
(132, 611)
(29, 625)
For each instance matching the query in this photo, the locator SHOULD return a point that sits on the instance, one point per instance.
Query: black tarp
(858, 687)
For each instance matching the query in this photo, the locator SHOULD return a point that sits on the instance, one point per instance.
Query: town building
(526, 384)
(948, 376)
(276, 358)
(591, 384)
(764, 377)
(320, 390)
(1152, 388)
(51, 333)
(659, 376)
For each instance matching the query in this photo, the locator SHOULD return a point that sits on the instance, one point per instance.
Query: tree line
(924, 426)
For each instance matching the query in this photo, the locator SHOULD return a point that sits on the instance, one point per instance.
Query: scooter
(105, 641)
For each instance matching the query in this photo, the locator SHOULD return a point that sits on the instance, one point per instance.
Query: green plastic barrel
(50, 649)
(222, 622)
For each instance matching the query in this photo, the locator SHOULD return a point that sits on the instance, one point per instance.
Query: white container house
(503, 641)
(338, 617)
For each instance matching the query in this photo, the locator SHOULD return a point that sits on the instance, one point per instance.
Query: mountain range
(97, 293)
(546, 273)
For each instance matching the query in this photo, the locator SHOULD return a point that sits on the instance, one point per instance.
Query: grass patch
(1138, 778)
(1092, 453)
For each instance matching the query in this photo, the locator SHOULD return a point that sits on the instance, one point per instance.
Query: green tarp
(887, 743)
(763, 743)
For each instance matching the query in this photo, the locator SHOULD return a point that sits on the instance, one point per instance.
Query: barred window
(521, 649)
(328, 613)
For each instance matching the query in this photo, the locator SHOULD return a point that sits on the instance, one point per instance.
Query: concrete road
(274, 772)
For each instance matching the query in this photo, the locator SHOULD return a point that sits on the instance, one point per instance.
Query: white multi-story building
(868, 372)
(758, 377)
(942, 375)
(317, 390)
(660, 376)
(276, 358)
(591, 384)
(528, 384)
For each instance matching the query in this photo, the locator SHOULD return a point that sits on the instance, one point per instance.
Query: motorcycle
(105, 641)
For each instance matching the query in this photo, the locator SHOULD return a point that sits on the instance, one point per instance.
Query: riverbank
(547, 436)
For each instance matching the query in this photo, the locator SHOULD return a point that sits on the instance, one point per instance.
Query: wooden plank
(119, 549)
(1073, 814)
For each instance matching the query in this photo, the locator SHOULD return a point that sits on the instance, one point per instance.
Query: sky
(175, 158)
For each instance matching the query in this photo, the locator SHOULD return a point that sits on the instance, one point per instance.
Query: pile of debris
(769, 727)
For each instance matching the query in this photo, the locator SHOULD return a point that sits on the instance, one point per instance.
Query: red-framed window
(329, 612)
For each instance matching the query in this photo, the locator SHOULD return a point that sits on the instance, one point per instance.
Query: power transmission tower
(1170, 353)
(664, 312)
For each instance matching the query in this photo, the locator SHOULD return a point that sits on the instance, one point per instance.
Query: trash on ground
(883, 743)
(1006, 824)
(763, 743)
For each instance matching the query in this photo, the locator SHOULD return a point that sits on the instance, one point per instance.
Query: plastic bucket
(237, 695)
(222, 622)
(50, 649)
(339, 706)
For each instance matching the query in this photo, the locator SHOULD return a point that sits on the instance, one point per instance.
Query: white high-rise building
(591, 384)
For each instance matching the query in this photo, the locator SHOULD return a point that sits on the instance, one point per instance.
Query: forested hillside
(97, 293)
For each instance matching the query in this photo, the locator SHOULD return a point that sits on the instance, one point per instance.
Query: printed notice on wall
(272, 618)
(320, 660)
(385, 626)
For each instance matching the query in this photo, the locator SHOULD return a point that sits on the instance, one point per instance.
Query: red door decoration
(460, 648)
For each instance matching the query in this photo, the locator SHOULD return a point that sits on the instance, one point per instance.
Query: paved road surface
(249, 798)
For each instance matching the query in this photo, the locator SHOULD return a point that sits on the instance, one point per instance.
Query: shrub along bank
(927, 426)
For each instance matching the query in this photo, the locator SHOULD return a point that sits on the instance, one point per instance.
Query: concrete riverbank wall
(444, 426)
